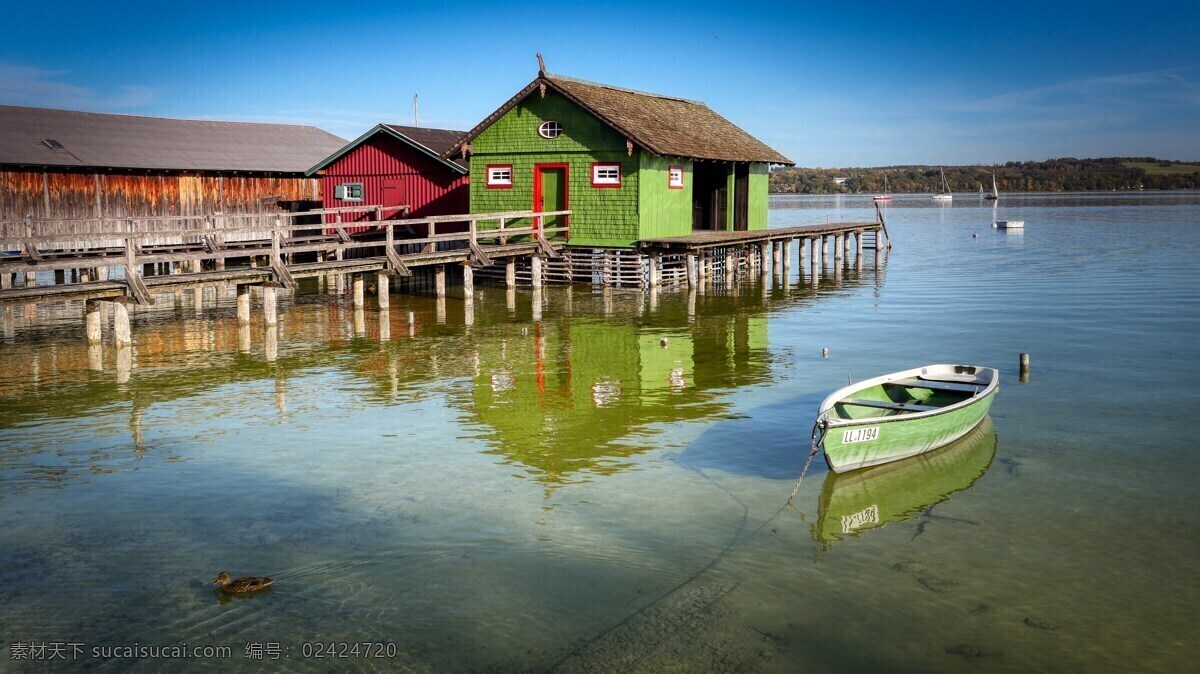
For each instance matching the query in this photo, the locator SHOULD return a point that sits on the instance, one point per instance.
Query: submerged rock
(971, 652)
(935, 584)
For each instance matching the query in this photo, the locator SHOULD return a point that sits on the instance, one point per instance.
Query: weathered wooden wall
(77, 196)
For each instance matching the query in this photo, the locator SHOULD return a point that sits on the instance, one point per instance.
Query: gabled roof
(436, 143)
(664, 125)
(66, 138)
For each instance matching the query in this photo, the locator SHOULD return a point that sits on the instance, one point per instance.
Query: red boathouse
(393, 165)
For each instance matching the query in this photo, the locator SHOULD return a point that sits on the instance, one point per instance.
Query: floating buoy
(824, 353)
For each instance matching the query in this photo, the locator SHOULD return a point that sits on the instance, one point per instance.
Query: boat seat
(934, 385)
(887, 405)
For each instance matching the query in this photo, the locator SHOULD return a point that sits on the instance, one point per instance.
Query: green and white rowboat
(903, 414)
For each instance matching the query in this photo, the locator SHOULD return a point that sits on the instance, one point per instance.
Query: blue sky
(828, 84)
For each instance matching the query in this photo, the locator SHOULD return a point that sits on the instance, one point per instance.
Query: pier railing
(277, 240)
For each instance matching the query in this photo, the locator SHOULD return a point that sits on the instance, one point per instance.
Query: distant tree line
(1053, 175)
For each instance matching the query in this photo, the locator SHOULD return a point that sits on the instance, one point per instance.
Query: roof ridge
(422, 128)
(568, 78)
(164, 119)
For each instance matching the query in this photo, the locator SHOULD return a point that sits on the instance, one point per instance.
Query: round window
(550, 129)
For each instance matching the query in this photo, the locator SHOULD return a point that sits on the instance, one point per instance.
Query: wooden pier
(274, 255)
(148, 258)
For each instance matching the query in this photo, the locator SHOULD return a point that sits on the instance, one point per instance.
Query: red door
(550, 193)
(393, 195)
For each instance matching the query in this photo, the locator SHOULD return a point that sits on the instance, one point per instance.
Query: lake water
(499, 493)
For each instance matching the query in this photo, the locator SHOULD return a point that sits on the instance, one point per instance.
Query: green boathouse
(629, 165)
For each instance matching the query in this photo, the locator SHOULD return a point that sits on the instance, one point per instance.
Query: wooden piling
(92, 319)
(243, 303)
(653, 275)
(858, 246)
(121, 332)
(1024, 367)
(468, 273)
(383, 286)
(730, 266)
(439, 280)
(692, 270)
(787, 256)
(764, 259)
(358, 294)
(269, 305)
(510, 273)
(535, 262)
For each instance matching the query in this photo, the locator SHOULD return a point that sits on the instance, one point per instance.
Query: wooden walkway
(283, 242)
(705, 239)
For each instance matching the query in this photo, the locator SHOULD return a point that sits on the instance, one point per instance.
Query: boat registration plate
(860, 435)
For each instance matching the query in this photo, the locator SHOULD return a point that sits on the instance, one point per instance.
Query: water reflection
(563, 383)
(855, 502)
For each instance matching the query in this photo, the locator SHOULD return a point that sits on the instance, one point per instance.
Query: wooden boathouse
(568, 182)
(629, 165)
(64, 167)
(392, 166)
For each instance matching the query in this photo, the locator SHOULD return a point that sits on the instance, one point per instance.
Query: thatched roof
(664, 125)
(66, 138)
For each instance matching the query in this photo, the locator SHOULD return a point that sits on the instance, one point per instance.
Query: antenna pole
(415, 120)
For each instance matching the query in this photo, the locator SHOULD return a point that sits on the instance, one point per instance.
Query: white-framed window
(675, 177)
(606, 175)
(499, 176)
(550, 129)
(348, 192)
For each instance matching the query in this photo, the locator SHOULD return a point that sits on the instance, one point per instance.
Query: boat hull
(899, 437)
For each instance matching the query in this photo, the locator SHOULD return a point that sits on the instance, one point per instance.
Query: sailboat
(945, 194)
(995, 192)
(885, 196)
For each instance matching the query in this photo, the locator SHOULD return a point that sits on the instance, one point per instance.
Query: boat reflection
(855, 502)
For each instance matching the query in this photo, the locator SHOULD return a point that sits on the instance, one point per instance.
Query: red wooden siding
(394, 173)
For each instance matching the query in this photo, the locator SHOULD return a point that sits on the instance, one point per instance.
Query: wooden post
(730, 266)
(92, 318)
(269, 305)
(243, 304)
(787, 256)
(814, 262)
(654, 262)
(535, 262)
(764, 256)
(358, 290)
(691, 262)
(121, 324)
(858, 246)
(383, 283)
(468, 280)
(5, 280)
(510, 273)
(707, 271)
(845, 245)
(1024, 368)
(439, 277)
(777, 256)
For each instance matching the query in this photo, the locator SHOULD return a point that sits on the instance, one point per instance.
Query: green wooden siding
(600, 216)
(643, 207)
(758, 196)
(663, 211)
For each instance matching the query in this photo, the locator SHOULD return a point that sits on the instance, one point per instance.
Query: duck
(241, 585)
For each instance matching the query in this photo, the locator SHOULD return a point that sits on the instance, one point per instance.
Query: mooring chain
(818, 436)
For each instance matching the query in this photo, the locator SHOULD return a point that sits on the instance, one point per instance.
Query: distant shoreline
(1122, 174)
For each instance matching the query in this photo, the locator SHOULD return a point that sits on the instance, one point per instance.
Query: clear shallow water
(569, 495)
